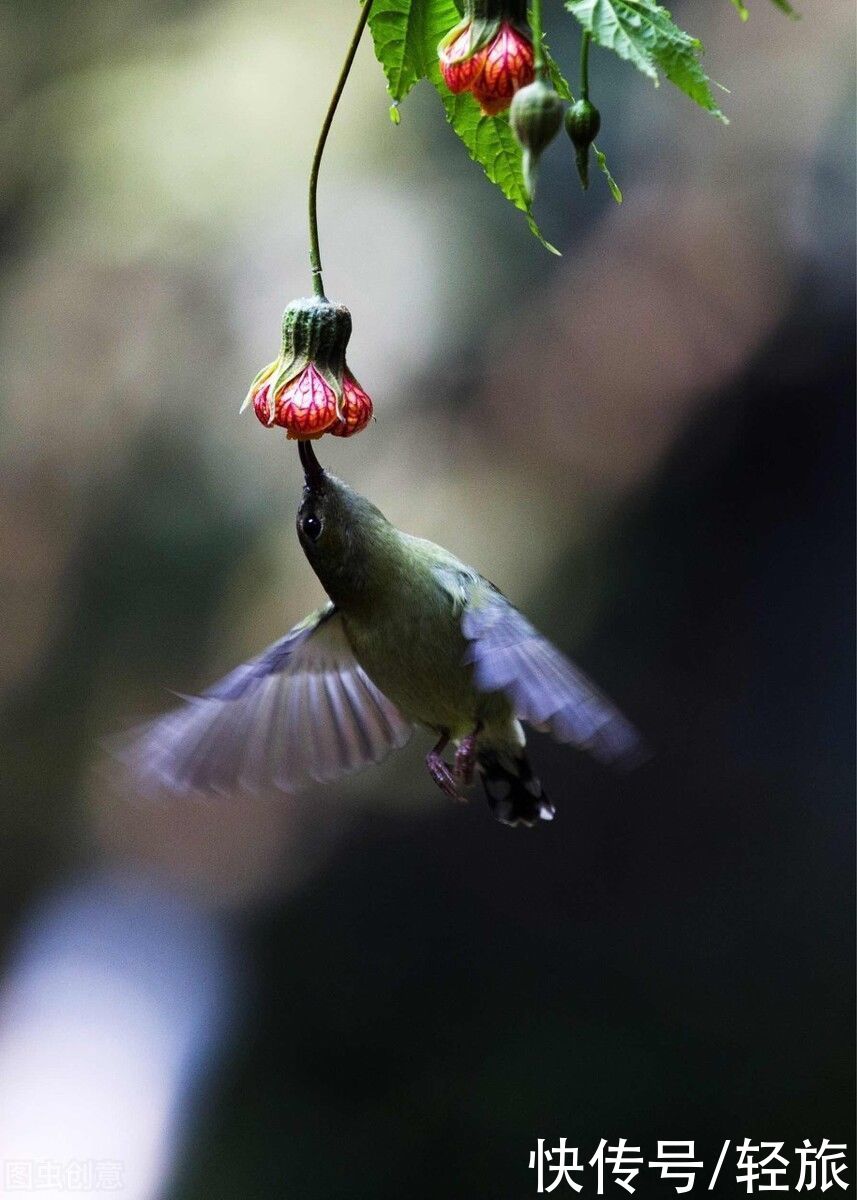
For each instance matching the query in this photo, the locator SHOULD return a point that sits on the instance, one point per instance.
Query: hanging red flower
(308, 390)
(489, 53)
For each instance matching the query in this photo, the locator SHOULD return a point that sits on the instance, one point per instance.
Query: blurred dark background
(647, 443)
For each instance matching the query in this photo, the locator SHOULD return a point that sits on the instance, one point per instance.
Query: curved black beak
(313, 470)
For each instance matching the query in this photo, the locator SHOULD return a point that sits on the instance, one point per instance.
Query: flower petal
(262, 405)
(355, 409)
(457, 66)
(508, 66)
(306, 406)
(257, 384)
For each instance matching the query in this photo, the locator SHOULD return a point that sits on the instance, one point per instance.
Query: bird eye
(312, 526)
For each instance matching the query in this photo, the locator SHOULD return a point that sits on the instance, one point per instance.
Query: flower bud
(308, 389)
(535, 116)
(582, 122)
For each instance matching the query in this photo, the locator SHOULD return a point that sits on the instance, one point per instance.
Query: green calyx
(535, 116)
(582, 123)
(314, 331)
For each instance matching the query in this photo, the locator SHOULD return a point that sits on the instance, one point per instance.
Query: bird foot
(442, 773)
(465, 758)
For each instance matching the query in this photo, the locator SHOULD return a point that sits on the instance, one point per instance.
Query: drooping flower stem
(584, 66)
(314, 252)
(538, 50)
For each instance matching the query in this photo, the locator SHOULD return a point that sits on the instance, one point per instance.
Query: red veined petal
(356, 409)
(457, 70)
(508, 66)
(261, 404)
(306, 406)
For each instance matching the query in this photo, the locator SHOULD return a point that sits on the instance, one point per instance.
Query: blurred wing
(304, 711)
(548, 691)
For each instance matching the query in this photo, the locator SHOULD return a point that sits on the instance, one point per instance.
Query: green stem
(584, 66)
(538, 49)
(314, 252)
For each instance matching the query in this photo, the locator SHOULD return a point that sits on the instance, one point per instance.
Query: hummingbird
(410, 636)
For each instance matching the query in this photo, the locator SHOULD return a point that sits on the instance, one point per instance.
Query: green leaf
(643, 33)
(560, 83)
(601, 159)
(406, 34)
(742, 9)
(491, 143)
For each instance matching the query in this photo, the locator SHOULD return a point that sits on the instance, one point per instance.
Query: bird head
(342, 534)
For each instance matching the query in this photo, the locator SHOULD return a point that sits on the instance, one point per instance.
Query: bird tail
(515, 794)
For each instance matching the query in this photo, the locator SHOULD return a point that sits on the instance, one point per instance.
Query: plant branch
(584, 66)
(314, 251)
(538, 48)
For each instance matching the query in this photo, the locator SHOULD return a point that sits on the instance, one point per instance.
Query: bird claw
(450, 779)
(442, 774)
(465, 758)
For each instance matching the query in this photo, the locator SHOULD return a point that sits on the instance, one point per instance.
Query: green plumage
(411, 636)
(402, 600)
